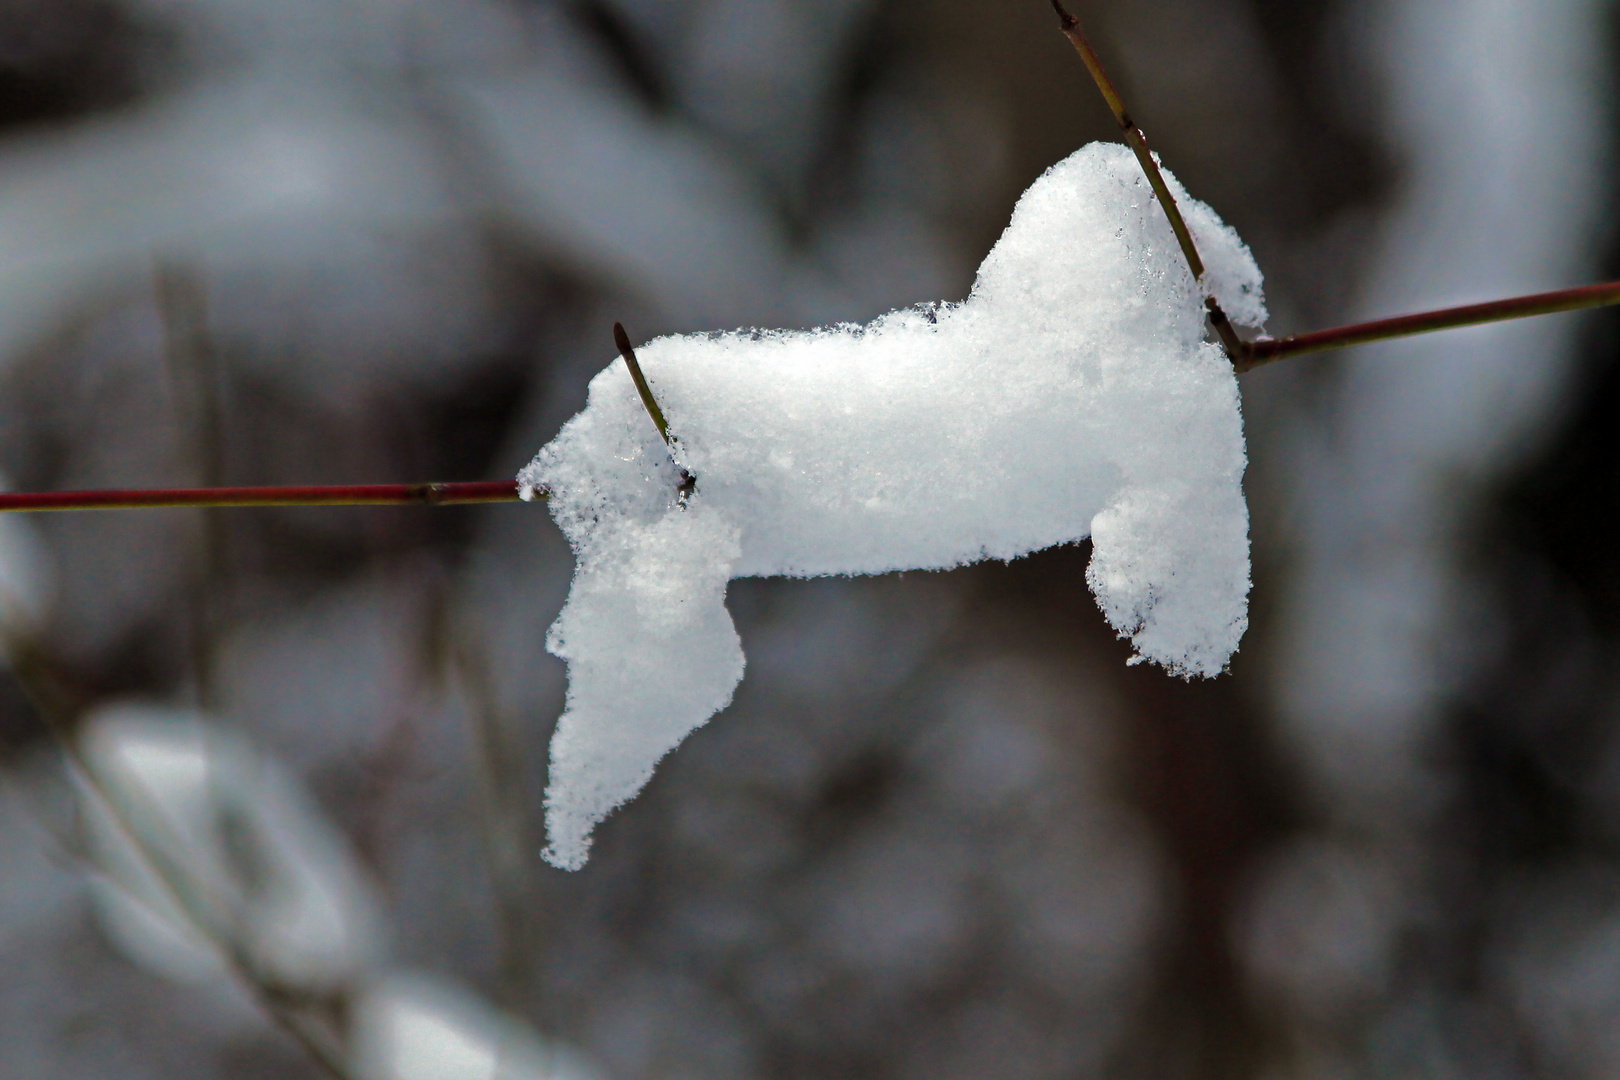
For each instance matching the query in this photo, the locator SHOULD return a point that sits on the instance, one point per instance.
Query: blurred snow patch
(412, 1027)
(252, 170)
(639, 201)
(231, 850)
(1506, 160)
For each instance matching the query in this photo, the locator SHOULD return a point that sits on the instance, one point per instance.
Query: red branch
(455, 494)
(1255, 353)
(1252, 355)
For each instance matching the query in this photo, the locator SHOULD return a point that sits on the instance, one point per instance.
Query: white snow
(257, 861)
(1071, 394)
(408, 1026)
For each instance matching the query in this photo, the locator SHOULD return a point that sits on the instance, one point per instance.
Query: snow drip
(1071, 394)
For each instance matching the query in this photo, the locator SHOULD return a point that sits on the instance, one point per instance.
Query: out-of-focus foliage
(942, 831)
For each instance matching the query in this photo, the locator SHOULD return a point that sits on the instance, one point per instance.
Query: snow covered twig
(1252, 354)
(1090, 403)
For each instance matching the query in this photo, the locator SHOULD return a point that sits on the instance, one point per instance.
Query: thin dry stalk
(1266, 351)
(194, 375)
(1138, 144)
(622, 340)
(648, 402)
(506, 815)
(1248, 355)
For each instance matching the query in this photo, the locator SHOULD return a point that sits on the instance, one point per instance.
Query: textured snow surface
(1071, 394)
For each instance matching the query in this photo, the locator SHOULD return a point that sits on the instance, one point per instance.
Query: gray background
(943, 831)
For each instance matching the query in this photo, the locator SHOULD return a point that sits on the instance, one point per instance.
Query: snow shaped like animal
(1071, 394)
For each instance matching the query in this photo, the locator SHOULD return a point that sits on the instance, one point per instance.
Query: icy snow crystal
(1071, 394)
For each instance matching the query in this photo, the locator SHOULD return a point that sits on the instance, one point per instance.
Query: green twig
(506, 815)
(650, 403)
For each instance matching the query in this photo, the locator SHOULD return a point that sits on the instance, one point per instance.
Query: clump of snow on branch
(1072, 394)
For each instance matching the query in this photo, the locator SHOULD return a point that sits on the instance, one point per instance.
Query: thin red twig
(1256, 353)
(1248, 355)
(1253, 354)
(453, 494)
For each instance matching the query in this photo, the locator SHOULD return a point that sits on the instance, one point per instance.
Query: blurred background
(944, 831)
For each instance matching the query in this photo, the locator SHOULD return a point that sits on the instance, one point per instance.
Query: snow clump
(1071, 394)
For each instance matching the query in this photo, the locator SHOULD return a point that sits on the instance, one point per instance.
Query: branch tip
(688, 482)
(1136, 141)
(622, 340)
(648, 402)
